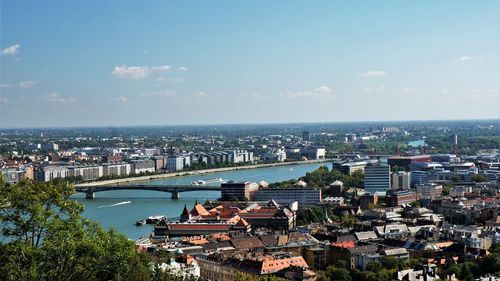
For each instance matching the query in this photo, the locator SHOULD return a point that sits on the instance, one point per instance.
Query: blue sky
(113, 63)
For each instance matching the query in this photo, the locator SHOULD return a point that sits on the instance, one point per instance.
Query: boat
(199, 182)
(154, 219)
(140, 222)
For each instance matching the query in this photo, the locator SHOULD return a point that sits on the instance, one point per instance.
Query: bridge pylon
(175, 195)
(89, 195)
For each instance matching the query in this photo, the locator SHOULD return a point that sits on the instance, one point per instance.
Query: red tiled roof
(345, 244)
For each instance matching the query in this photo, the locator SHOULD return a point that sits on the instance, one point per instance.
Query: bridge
(175, 190)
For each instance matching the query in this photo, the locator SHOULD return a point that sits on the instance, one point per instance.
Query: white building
(178, 162)
(49, 173)
(87, 173)
(400, 180)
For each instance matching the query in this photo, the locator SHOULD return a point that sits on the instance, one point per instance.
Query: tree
(479, 178)
(47, 239)
(337, 274)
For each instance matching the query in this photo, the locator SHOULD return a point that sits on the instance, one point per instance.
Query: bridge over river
(175, 190)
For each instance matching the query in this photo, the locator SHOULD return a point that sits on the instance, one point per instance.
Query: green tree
(337, 274)
(47, 239)
(479, 178)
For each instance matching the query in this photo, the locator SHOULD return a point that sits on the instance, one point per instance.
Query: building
(336, 188)
(350, 167)
(368, 200)
(396, 198)
(87, 173)
(178, 162)
(50, 147)
(160, 162)
(270, 217)
(238, 190)
(401, 180)
(406, 161)
(316, 257)
(305, 135)
(313, 152)
(377, 178)
(116, 169)
(143, 166)
(17, 174)
(286, 196)
(49, 173)
(429, 191)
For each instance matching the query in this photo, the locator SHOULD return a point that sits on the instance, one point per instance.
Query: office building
(238, 190)
(286, 196)
(377, 178)
(401, 180)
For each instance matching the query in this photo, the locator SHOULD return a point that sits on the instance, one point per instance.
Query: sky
(128, 63)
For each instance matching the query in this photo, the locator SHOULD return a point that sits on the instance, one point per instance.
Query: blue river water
(120, 209)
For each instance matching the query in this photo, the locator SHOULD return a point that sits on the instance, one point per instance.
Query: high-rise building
(305, 135)
(400, 180)
(377, 178)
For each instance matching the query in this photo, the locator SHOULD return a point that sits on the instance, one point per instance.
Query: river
(120, 209)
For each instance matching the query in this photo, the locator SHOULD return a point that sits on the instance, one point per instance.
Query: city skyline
(194, 63)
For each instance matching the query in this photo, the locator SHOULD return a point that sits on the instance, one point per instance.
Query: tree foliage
(45, 238)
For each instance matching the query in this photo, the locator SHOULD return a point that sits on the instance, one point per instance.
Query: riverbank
(200, 172)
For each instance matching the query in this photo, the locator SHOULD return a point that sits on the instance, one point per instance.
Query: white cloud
(469, 58)
(137, 72)
(251, 95)
(159, 94)
(3, 100)
(200, 94)
(373, 73)
(11, 50)
(5, 85)
(57, 98)
(145, 52)
(121, 99)
(322, 91)
(27, 84)
(182, 68)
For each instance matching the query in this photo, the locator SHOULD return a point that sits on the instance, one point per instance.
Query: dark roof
(215, 245)
(269, 240)
(344, 238)
(247, 243)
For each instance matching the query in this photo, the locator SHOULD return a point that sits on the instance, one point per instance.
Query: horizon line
(238, 124)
